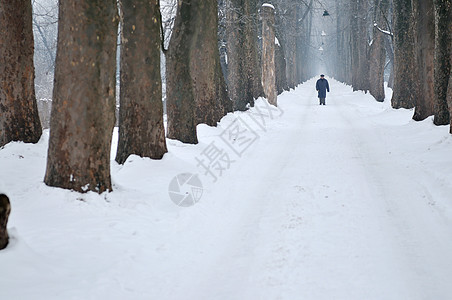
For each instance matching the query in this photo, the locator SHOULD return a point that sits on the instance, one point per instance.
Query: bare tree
(243, 80)
(209, 86)
(424, 19)
(404, 64)
(141, 129)
(268, 53)
(180, 98)
(377, 56)
(19, 119)
(83, 110)
(360, 45)
(443, 49)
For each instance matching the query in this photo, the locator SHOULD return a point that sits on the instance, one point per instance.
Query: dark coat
(322, 86)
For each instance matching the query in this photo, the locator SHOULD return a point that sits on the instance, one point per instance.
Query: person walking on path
(322, 87)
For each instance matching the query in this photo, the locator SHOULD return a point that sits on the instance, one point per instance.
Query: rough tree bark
(141, 129)
(404, 64)
(5, 209)
(268, 53)
(209, 87)
(424, 18)
(83, 108)
(443, 48)
(180, 98)
(19, 119)
(377, 56)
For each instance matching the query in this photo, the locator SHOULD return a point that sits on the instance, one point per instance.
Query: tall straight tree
(287, 20)
(405, 88)
(268, 53)
(377, 55)
(209, 86)
(180, 98)
(443, 49)
(141, 129)
(304, 49)
(239, 52)
(196, 90)
(251, 58)
(83, 110)
(424, 19)
(360, 62)
(344, 72)
(19, 119)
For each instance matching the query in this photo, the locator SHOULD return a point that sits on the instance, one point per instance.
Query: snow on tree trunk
(141, 129)
(424, 19)
(268, 53)
(404, 63)
(5, 209)
(83, 107)
(443, 48)
(19, 118)
(180, 98)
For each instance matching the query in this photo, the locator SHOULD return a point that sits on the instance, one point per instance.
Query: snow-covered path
(351, 200)
(330, 214)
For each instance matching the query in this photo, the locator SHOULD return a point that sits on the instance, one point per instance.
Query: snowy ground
(352, 200)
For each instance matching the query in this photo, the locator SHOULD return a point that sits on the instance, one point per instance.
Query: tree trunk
(141, 129)
(252, 60)
(443, 48)
(354, 44)
(342, 40)
(209, 87)
(240, 79)
(424, 18)
(360, 61)
(390, 53)
(268, 53)
(304, 26)
(404, 64)
(180, 97)
(449, 98)
(280, 65)
(19, 118)
(83, 108)
(377, 55)
(289, 21)
(5, 209)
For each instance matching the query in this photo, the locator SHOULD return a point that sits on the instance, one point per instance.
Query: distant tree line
(414, 36)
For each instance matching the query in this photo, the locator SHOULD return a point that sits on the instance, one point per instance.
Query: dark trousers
(322, 101)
